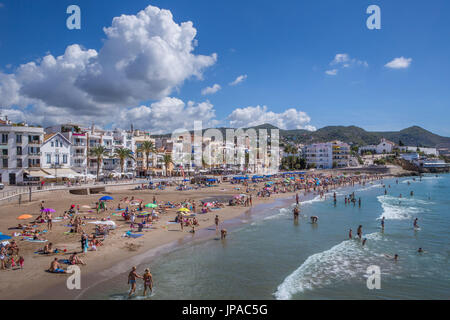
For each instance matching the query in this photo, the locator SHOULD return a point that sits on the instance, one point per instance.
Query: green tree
(99, 153)
(123, 154)
(167, 161)
(147, 148)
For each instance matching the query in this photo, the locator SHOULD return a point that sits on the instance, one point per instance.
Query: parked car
(2, 186)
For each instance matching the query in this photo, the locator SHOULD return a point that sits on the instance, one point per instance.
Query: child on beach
(21, 261)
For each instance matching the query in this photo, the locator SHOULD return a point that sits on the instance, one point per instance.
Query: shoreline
(110, 261)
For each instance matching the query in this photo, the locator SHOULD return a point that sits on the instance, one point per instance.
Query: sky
(161, 65)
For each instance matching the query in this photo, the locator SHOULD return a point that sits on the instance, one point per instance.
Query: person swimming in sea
(296, 213)
(359, 232)
(382, 223)
(395, 257)
(416, 225)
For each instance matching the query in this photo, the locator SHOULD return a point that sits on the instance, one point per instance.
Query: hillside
(413, 136)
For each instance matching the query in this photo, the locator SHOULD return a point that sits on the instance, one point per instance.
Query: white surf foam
(395, 208)
(344, 261)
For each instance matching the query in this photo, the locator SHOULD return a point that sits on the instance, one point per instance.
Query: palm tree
(123, 154)
(147, 147)
(99, 152)
(167, 161)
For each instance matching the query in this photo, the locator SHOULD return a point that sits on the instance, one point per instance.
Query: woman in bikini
(148, 281)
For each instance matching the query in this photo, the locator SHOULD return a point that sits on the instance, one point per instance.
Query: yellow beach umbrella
(25, 216)
(184, 210)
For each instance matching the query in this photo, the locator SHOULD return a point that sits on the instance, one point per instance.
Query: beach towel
(131, 235)
(31, 240)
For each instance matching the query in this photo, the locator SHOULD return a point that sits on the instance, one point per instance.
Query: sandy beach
(117, 252)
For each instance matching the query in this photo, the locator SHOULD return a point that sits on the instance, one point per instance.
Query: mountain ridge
(411, 136)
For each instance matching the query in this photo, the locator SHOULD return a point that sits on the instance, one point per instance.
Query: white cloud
(343, 60)
(340, 58)
(211, 90)
(238, 80)
(144, 57)
(254, 116)
(332, 72)
(399, 63)
(167, 115)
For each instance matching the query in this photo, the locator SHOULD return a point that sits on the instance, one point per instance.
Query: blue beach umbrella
(106, 198)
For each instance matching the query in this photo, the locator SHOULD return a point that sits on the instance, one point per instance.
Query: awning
(37, 173)
(64, 173)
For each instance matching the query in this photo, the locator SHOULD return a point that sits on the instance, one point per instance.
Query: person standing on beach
(49, 221)
(415, 223)
(148, 281)
(216, 220)
(132, 276)
(296, 198)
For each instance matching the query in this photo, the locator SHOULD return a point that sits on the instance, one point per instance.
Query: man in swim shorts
(132, 276)
(55, 267)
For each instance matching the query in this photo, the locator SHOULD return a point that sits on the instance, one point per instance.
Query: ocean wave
(316, 199)
(347, 260)
(370, 187)
(400, 208)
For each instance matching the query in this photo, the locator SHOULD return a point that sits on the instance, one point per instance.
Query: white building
(410, 156)
(385, 146)
(20, 151)
(328, 155)
(56, 156)
(78, 148)
(427, 151)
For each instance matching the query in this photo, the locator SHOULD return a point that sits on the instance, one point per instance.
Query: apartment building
(335, 154)
(20, 152)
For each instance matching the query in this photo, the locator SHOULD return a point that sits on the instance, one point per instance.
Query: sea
(268, 256)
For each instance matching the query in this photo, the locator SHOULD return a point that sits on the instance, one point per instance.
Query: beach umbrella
(151, 205)
(106, 198)
(49, 210)
(184, 210)
(208, 204)
(4, 237)
(25, 216)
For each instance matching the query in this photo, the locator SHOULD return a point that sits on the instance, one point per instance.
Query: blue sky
(284, 48)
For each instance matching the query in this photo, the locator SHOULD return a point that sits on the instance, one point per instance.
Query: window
(52, 144)
(19, 151)
(5, 163)
(65, 158)
(4, 138)
(5, 152)
(49, 158)
(19, 163)
(18, 138)
(56, 158)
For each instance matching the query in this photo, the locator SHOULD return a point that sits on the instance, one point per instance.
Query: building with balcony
(20, 147)
(327, 155)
